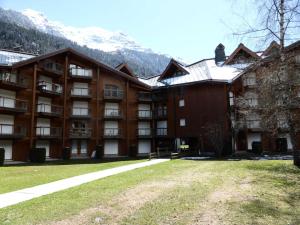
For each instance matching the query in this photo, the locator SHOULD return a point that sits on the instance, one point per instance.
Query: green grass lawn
(27, 175)
(175, 192)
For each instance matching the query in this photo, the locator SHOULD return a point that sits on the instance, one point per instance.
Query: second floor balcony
(10, 131)
(144, 96)
(13, 81)
(49, 88)
(80, 113)
(13, 105)
(249, 124)
(48, 132)
(80, 133)
(161, 113)
(77, 92)
(50, 110)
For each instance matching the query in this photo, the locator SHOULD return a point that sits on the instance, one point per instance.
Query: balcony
(144, 97)
(81, 73)
(160, 97)
(112, 133)
(144, 114)
(53, 68)
(109, 94)
(254, 125)
(12, 105)
(144, 132)
(80, 113)
(161, 113)
(110, 113)
(161, 132)
(13, 81)
(9, 131)
(80, 133)
(81, 92)
(48, 132)
(49, 110)
(49, 88)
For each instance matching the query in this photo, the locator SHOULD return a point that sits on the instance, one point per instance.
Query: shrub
(2, 155)
(66, 154)
(38, 155)
(256, 147)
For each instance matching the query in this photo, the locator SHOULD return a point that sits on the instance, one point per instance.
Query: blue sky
(188, 29)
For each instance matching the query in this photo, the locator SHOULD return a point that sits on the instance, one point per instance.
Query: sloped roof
(125, 69)
(272, 45)
(241, 47)
(8, 57)
(84, 57)
(204, 70)
(174, 63)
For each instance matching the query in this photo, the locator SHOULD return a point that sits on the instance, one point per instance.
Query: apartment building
(66, 99)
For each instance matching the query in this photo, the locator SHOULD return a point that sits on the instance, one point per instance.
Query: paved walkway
(16, 197)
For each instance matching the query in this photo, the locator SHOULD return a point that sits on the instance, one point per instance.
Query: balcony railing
(50, 88)
(160, 97)
(110, 113)
(249, 124)
(161, 113)
(145, 96)
(144, 132)
(81, 73)
(113, 94)
(161, 131)
(80, 112)
(48, 132)
(13, 79)
(49, 109)
(112, 133)
(81, 92)
(12, 131)
(78, 133)
(144, 114)
(53, 67)
(12, 104)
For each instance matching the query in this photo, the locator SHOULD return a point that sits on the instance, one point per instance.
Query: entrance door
(79, 147)
(43, 144)
(7, 145)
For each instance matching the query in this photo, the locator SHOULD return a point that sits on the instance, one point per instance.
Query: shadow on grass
(73, 162)
(272, 166)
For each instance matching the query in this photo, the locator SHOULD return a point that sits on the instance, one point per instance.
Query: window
(182, 122)
(181, 103)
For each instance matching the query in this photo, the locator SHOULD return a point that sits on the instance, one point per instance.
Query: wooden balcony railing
(144, 132)
(144, 96)
(12, 131)
(11, 104)
(111, 132)
(161, 113)
(77, 112)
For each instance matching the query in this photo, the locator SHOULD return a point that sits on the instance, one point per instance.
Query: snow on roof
(205, 70)
(9, 57)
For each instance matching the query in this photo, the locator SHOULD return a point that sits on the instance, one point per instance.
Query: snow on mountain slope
(92, 37)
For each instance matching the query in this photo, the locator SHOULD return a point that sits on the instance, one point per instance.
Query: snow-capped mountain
(92, 37)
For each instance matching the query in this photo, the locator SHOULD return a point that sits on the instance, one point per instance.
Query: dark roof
(125, 69)
(78, 54)
(172, 62)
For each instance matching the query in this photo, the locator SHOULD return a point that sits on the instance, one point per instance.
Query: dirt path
(131, 200)
(214, 209)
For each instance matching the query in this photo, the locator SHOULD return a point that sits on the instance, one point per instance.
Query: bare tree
(277, 82)
(214, 133)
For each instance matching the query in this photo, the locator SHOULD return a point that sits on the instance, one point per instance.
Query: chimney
(220, 54)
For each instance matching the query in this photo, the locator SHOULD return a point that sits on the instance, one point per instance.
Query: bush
(38, 155)
(256, 147)
(133, 151)
(281, 144)
(297, 158)
(66, 154)
(2, 155)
